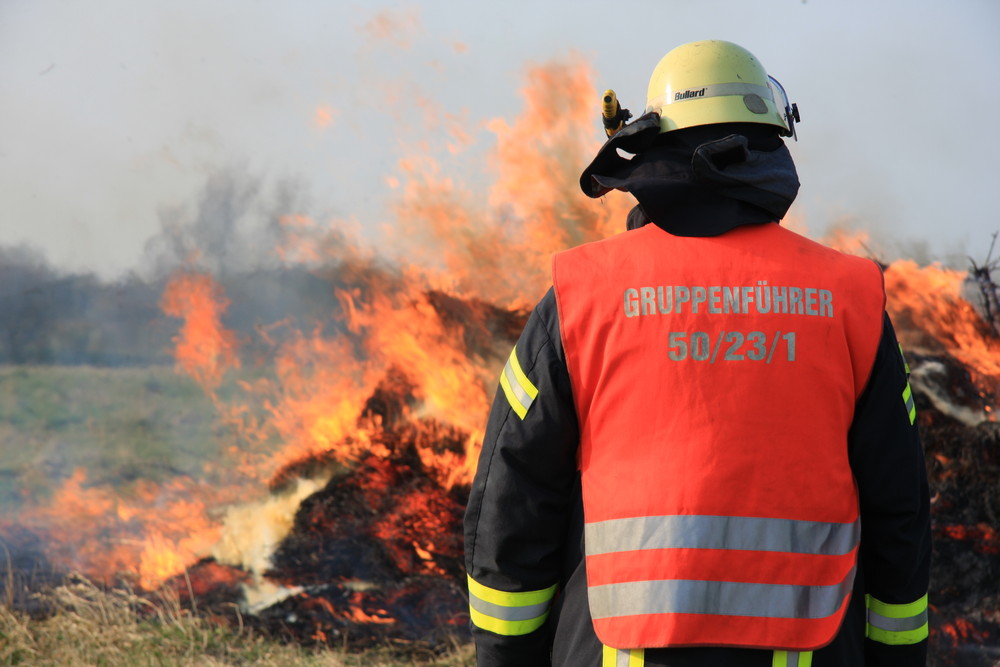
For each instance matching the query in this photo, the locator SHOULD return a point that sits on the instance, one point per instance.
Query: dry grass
(92, 626)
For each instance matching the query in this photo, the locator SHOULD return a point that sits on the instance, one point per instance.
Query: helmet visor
(783, 105)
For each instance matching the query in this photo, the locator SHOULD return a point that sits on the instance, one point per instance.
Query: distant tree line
(53, 317)
(231, 231)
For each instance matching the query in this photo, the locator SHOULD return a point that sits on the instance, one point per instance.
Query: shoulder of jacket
(851, 266)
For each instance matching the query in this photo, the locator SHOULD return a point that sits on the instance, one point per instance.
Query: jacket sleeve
(518, 513)
(888, 464)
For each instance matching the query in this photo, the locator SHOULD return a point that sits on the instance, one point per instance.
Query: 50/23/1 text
(730, 346)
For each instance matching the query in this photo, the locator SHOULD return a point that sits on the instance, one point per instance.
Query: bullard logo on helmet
(688, 94)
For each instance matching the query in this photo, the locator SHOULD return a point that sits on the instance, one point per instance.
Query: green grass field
(118, 424)
(123, 425)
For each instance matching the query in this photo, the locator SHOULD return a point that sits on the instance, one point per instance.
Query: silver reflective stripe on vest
(726, 598)
(721, 532)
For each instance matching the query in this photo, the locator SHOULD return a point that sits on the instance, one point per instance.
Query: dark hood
(699, 181)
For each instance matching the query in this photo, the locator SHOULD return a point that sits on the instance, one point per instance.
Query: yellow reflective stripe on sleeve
(508, 613)
(623, 657)
(518, 389)
(792, 659)
(506, 599)
(896, 624)
(911, 408)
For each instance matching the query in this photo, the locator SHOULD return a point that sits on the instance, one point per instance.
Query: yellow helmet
(712, 81)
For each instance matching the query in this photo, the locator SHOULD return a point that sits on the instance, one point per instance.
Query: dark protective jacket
(525, 525)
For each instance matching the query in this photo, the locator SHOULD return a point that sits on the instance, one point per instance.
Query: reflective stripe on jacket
(715, 381)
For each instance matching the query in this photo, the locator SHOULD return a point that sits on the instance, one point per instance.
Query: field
(118, 424)
(123, 426)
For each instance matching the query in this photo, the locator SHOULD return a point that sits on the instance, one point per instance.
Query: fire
(204, 348)
(984, 536)
(147, 535)
(323, 116)
(500, 249)
(926, 305)
(356, 613)
(311, 405)
(929, 311)
(962, 631)
(854, 242)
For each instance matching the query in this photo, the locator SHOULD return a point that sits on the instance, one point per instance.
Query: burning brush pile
(376, 554)
(336, 518)
(944, 321)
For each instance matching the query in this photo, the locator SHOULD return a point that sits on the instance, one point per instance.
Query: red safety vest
(715, 381)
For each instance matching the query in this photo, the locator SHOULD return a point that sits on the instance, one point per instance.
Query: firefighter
(703, 447)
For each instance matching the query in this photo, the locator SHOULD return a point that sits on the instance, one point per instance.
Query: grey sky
(113, 110)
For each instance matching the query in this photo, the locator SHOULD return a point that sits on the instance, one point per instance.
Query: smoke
(233, 226)
(397, 27)
(52, 317)
(238, 230)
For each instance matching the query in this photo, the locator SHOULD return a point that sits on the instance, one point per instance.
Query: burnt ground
(963, 467)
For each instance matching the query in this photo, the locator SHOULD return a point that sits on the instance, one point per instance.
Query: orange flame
(930, 314)
(105, 534)
(500, 248)
(928, 311)
(984, 536)
(323, 116)
(204, 348)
